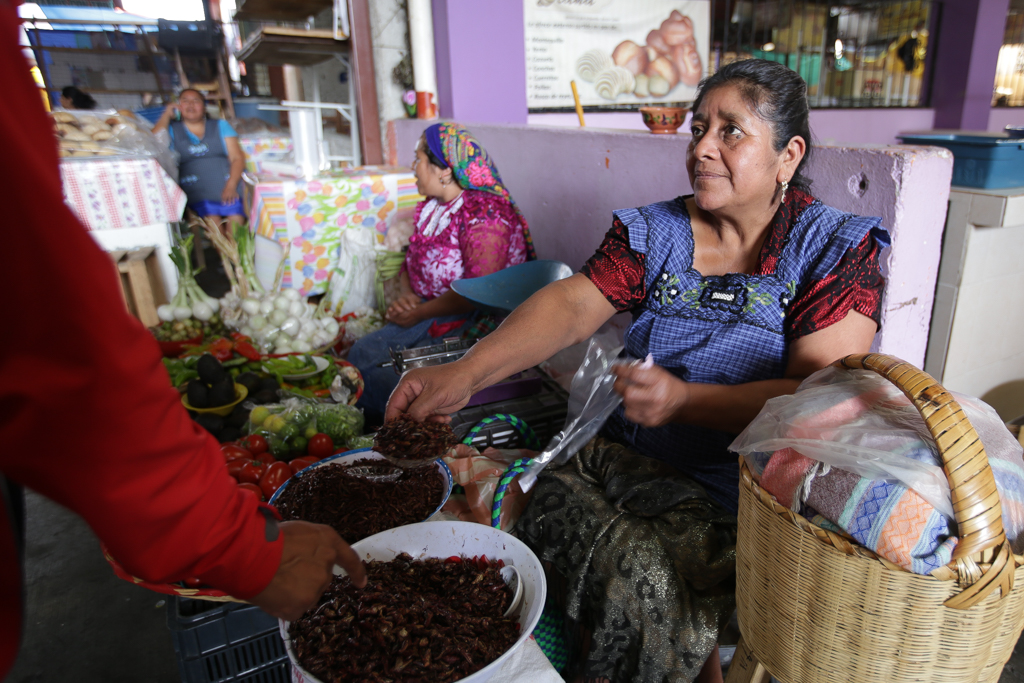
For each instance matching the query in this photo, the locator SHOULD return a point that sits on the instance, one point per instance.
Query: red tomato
(251, 472)
(301, 463)
(256, 443)
(275, 475)
(266, 458)
(320, 446)
(233, 450)
(235, 466)
(192, 582)
(252, 487)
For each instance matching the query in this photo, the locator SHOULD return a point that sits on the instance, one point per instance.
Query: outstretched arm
(561, 314)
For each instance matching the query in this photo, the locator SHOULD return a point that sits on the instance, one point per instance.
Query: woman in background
(468, 226)
(211, 161)
(73, 98)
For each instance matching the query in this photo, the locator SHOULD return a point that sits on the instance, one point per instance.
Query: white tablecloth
(112, 193)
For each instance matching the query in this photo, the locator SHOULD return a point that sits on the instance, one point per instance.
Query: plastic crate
(218, 642)
(989, 161)
(544, 412)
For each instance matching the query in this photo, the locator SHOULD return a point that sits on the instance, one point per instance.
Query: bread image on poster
(618, 51)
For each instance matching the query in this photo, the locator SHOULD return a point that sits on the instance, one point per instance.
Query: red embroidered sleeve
(616, 270)
(855, 284)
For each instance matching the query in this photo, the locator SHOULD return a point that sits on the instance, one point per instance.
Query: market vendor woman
(468, 226)
(210, 160)
(737, 292)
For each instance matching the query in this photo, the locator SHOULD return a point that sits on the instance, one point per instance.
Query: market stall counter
(115, 184)
(327, 222)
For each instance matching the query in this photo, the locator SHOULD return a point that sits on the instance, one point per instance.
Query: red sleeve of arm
(855, 284)
(90, 419)
(616, 270)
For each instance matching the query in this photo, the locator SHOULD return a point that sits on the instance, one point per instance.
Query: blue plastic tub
(988, 161)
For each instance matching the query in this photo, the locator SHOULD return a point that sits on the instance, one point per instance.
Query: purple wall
(965, 64)
(829, 126)
(568, 181)
(1001, 117)
(480, 50)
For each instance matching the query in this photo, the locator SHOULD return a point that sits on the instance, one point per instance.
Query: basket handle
(975, 499)
(530, 439)
(513, 471)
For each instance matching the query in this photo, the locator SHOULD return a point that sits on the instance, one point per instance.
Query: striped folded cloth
(842, 450)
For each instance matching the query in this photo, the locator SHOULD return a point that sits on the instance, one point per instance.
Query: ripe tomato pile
(256, 470)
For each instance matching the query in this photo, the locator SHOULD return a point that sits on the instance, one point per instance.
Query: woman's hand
(230, 193)
(431, 392)
(306, 570)
(651, 396)
(403, 311)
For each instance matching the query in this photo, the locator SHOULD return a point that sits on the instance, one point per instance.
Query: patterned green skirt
(647, 561)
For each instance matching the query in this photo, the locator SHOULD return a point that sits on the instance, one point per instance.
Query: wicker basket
(814, 606)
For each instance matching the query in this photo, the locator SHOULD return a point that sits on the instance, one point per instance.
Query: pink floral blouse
(475, 234)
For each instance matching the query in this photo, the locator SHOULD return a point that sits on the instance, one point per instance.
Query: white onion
(267, 305)
(182, 312)
(320, 339)
(301, 346)
(291, 327)
(330, 326)
(165, 313)
(309, 328)
(283, 348)
(201, 311)
(213, 303)
(292, 294)
(297, 308)
(281, 302)
(251, 306)
(246, 330)
(257, 322)
(278, 317)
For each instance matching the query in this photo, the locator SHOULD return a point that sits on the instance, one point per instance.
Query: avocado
(211, 423)
(265, 396)
(210, 370)
(249, 380)
(269, 383)
(238, 417)
(229, 434)
(222, 392)
(198, 394)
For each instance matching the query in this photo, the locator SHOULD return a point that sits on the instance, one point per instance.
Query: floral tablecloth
(309, 217)
(260, 148)
(112, 193)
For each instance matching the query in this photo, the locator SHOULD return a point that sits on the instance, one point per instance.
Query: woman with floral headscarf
(468, 226)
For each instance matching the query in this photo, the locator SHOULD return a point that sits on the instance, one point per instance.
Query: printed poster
(619, 52)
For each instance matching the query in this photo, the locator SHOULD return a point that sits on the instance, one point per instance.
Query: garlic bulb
(593, 62)
(614, 81)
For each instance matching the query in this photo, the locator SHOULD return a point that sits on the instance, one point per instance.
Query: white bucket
(444, 539)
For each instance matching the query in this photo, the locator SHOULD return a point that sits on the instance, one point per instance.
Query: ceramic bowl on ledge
(663, 120)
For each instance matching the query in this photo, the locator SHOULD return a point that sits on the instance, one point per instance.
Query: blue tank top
(721, 329)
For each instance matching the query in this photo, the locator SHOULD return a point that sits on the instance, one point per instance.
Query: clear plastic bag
(592, 399)
(858, 421)
(289, 425)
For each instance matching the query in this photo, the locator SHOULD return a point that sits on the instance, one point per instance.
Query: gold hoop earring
(785, 186)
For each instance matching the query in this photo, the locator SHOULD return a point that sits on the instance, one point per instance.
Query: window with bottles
(1009, 86)
(858, 54)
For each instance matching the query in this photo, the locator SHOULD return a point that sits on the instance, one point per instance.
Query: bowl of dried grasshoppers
(434, 608)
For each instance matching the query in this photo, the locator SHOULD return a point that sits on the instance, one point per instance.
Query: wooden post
(745, 668)
(37, 50)
(361, 55)
(141, 35)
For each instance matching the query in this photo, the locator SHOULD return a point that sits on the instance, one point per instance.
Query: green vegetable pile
(288, 427)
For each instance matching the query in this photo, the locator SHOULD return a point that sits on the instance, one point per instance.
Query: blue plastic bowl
(369, 452)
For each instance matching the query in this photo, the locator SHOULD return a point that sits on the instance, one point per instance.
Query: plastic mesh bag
(857, 421)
